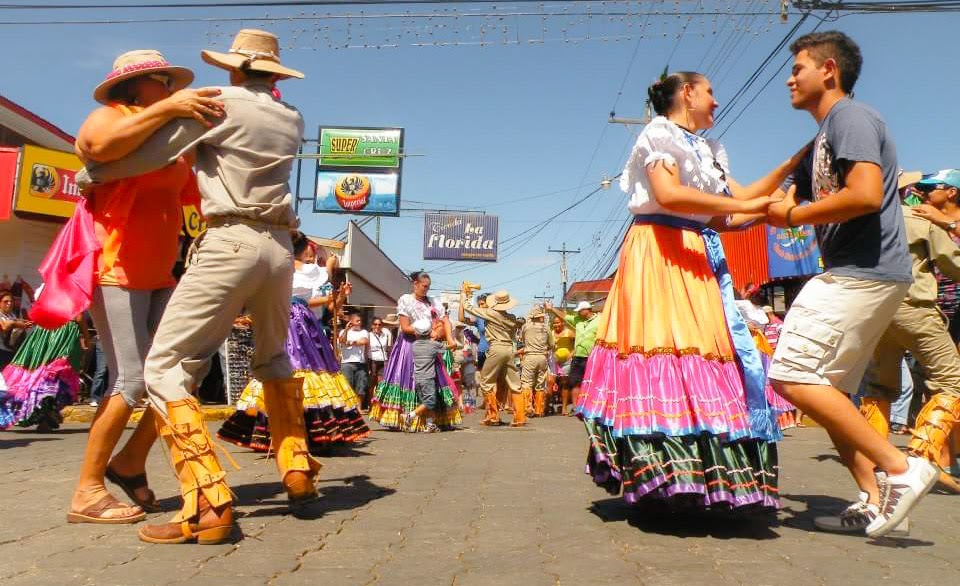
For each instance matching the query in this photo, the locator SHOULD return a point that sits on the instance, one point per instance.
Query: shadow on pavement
(342, 450)
(345, 494)
(657, 517)
(22, 442)
(818, 504)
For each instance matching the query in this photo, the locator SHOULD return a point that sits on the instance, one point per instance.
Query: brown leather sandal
(94, 513)
(130, 484)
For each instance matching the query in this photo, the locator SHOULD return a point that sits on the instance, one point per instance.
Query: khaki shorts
(832, 329)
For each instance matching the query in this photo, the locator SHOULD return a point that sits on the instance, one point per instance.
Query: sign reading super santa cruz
(470, 237)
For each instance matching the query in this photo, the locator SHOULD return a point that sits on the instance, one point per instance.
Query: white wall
(23, 244)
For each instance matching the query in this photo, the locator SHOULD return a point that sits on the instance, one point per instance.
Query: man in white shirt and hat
(243, 260)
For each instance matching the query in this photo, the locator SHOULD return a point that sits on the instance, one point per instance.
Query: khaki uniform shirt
(536, 337)
(929, 245)
(501, 326)
(243, 163)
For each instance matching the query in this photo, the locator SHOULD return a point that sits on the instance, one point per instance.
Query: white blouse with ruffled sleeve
(703, 165)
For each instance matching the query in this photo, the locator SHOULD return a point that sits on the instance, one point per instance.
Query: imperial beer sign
(46, 184)
(469, 237)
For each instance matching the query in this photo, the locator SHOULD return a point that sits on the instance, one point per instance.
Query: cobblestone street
(478, 506)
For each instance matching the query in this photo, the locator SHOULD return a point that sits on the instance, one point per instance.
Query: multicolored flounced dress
(674, 395)
(331, 407)
(43, 377)
(395, 395)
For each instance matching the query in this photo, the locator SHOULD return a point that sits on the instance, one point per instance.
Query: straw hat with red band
(141, 62)
(252, 50)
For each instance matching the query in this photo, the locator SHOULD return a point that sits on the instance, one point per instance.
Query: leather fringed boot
(207, 514)
(539, 403)
(283, 399)
(493, 414)
(519, 410)
(877, 413)
(529, 409)
(931, 436)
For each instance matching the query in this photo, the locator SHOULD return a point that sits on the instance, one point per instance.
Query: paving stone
(478, 506)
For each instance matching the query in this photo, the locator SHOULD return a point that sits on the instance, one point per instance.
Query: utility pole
(377, 241)
(563, 271)
(544, 298)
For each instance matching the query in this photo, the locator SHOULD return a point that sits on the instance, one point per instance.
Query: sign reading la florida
(472, 238)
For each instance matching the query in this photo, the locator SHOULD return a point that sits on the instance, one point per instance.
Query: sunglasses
(927, 188)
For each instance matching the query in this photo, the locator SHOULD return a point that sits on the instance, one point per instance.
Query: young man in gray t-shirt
(850, 180)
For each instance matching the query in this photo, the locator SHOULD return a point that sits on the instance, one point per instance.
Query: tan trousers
(923, 331)
(533, 372)
(500, 362)
(235, 266)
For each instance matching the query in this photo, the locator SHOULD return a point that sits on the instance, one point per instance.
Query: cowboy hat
(501, 300)
(141, 62)
(536, 312)
(252, 50)
(391, 320)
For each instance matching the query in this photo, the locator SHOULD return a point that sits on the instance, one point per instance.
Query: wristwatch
(952, 227)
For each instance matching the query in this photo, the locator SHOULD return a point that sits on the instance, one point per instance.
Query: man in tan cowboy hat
(500, 330)
(244, 259)
(537, 341)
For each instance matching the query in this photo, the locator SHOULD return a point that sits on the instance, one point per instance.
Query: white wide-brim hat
(583, 305)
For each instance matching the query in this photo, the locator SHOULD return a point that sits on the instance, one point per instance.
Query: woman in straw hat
(243, 260)
(401, 401)
(137, 221)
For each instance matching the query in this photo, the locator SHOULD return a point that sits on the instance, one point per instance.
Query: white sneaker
(899, 493)
(856, 518)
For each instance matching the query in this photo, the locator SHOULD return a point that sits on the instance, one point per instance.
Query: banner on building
(793, 252)
(469, 237)
(359, 171)
(46, 182)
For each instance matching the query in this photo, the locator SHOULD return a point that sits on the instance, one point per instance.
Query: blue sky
(498, 125)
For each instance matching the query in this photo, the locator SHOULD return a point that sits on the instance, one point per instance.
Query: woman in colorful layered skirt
(396, 404)
(43, 378)
(673, 398)
(331, 407)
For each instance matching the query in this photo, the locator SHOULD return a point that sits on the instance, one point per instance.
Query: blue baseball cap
(949, 177)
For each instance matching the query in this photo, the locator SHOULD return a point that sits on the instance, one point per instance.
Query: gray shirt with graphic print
(873, 246)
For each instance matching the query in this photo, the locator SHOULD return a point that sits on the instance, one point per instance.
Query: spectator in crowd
(380, 341)
(584, 322)
(354, 341)
(13, 329)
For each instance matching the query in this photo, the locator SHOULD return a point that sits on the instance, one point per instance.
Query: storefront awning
(377, 282)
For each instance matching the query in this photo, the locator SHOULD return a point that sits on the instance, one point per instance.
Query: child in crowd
(468, 370)
(426, 357)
